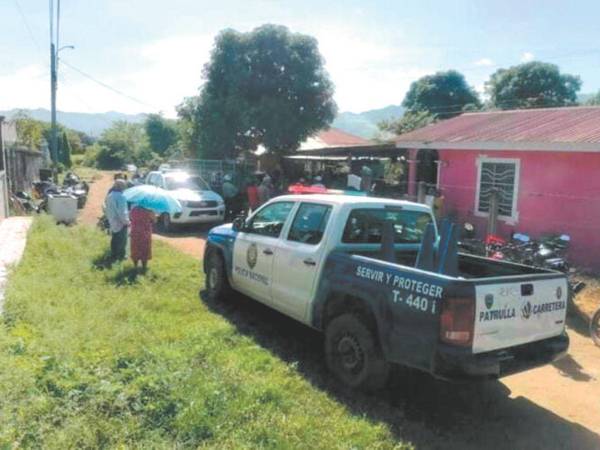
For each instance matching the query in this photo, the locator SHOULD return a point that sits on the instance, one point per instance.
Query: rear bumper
(452, 363)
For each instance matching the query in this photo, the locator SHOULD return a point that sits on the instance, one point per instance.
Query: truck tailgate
(512, 313)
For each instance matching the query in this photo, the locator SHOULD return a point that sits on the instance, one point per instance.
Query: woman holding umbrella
(147, 201)
(142, 221)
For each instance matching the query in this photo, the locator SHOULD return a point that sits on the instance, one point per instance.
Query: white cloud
(484, 62)
(26, 87)
(527, 56)
(368, 72)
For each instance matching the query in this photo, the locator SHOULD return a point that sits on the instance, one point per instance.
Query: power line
(107, 86)
(29, 31)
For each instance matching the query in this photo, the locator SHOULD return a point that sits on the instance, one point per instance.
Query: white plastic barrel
(63, 207)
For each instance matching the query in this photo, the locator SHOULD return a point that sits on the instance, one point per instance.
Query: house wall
(558, 192)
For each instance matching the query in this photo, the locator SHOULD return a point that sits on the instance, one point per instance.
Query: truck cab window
(309, 223)
(269, 221)
(364, 226)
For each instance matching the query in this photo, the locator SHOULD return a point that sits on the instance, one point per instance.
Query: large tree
(532, 85)
(122, 143)
(266, 87)
(161, 132)
(443, 94)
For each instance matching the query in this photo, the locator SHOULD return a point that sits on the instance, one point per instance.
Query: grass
(97, 356)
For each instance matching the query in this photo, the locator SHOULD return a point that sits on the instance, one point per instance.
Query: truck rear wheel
(216, 282)
(595, 328)
(353, 353)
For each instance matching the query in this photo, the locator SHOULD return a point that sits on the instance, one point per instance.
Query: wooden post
(412, 173)
(493, 212)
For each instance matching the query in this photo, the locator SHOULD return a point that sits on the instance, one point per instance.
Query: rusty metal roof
(334, 137)
(573, 128)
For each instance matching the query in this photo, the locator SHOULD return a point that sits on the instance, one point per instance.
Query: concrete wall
(558, 192)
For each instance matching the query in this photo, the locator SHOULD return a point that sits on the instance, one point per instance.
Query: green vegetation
(532, 85)
(443, 94)
(93, 357)
(267, 86)
(594, 100)
(65, 151)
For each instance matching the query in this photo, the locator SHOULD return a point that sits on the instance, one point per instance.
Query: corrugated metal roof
(334, 137)
(575, 125)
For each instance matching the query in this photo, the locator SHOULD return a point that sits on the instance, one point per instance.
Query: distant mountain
(364, 124)
(90, 123)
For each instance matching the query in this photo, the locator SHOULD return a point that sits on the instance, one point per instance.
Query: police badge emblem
(251, 255)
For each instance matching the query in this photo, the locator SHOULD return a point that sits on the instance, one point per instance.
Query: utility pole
(53, 133)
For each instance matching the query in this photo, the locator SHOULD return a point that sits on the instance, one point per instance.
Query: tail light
(457, 321)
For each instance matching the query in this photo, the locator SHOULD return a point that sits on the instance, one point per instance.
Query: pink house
(545, 164)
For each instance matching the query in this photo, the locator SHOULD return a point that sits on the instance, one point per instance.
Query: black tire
(216, 282)
(164, 223)
(354, 355)
(595, 328)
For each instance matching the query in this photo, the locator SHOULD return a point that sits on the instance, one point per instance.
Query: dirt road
(557, 406)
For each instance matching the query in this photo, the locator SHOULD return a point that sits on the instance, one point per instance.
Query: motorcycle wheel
(595, 328)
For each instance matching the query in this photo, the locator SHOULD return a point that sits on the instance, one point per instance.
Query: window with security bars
(502, 177)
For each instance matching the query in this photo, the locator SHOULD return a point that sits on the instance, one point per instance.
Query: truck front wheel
(353, 353)
(217, 284)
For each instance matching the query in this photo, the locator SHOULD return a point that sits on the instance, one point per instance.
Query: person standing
(118, 219)
(265, 190)
(318, 182)
(230, 195)
(142, 220)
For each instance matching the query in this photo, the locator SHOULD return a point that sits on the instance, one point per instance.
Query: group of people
(138, 223)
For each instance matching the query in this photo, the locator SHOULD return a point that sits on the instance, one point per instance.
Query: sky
(152, 51)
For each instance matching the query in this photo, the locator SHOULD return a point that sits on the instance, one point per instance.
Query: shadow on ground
(103, 261)
(186, 231)
(416, 407)
(572, 369)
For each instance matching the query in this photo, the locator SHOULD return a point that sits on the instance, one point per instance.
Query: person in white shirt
(318, 182)
(117, 214)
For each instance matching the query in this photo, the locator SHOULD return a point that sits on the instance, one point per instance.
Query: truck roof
(340, 199)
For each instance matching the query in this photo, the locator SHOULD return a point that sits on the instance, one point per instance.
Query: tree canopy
(161, 132)
(410, 120)
(594, 100)
(267, 86)
(443, 94)
(532, 85)
(122, 143)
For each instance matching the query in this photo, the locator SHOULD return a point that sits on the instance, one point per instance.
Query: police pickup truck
(353, 268)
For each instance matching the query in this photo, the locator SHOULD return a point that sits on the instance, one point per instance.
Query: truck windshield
(364, 226)
(194, 183)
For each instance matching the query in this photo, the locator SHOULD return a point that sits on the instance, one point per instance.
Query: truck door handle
(268, 251)
(309, 262)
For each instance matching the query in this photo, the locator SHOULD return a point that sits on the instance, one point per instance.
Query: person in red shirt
(142, 221)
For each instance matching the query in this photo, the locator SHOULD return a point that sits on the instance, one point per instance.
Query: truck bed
(469, 266)
(513, 305)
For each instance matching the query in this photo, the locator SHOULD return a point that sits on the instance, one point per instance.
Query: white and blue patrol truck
(353, 268)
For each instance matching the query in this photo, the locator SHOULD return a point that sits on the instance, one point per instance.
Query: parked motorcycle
(549, 252)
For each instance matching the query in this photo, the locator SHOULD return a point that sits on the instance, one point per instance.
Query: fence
(23, 167)
(3, 195)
